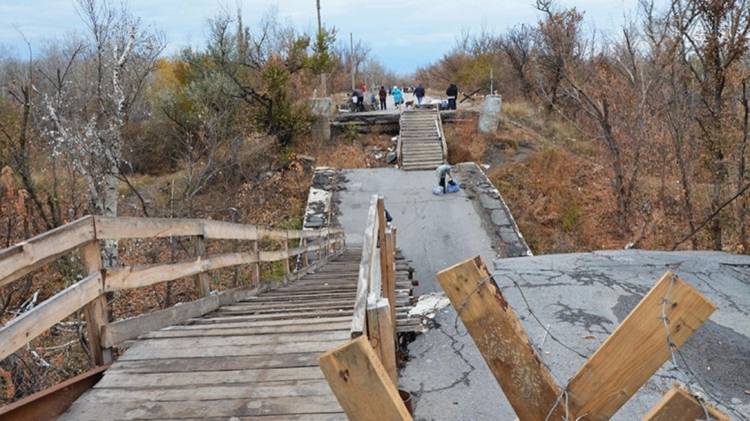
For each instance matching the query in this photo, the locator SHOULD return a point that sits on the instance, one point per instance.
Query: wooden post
(502, 340)
(380, 331)
(202, 280)
(96, 310)
(361, 384)
(637, 348)
(256, 265)
(382, 245)
(287, 270)
(679, 405)
(305, 258)
(389, 275)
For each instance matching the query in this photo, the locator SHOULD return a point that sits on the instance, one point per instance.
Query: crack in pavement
(464, 378)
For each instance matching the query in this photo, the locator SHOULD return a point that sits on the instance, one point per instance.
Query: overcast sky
(403, 34)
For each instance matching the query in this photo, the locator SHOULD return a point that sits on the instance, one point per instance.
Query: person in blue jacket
(397, 96)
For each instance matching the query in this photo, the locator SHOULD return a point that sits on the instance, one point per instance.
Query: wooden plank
(148, 349)
(250, 330)
(31, 324)
(224, 363)
(245, 390)
(96, 311)
(122, 330)
(90, 410)
(679, 405)
(267, 323)
(202, 279)
(120, 228)
(637, 348)
(361, 384)
(125, 379)
(365, 270)
(501, 339)
(29, 255)
(128, 277)
(380, 332)
(238, 340)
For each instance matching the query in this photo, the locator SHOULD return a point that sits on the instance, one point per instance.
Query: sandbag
(437, 190)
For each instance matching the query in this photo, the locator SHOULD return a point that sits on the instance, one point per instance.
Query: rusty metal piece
(50, 403)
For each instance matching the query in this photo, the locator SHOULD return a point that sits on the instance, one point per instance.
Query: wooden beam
(123, 330)
(365, 270)
(202, 279)
(287, 269)
(27, 256)
(637, 348)
(96, 311)
(361, 384)
(31, 324)
(380, 331)
(679, 405)
(389, 273)
(120, 228)
(256, 264)
(501, 339)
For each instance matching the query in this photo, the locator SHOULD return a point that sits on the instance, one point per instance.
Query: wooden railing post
(287, 270)
(380, 331)
(305, 257)
(256, 265)
(202, 280)
(96, 310)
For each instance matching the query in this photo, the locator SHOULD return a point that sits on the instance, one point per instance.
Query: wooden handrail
(366, 269)
(20, 259)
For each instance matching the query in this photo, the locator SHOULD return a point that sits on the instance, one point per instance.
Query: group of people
(358, 97)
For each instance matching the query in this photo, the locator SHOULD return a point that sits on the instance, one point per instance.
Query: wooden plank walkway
(254, 359)
(421, 139)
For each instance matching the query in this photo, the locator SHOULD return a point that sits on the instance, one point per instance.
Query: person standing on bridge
(383, 95)
(397, 96)
(452, 93)
(419, 93)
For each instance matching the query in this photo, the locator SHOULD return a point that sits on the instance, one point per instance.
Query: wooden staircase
(421, 140)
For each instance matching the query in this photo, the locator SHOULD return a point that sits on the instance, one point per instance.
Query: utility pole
(323, 82)
(351, 56)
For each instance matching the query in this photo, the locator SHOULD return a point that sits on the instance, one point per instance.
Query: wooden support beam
(380, 331)
(361, 384)
(501, 339)
(96, 313)
(637, 348)
(202, 279)
(365, 270)
(679, 405)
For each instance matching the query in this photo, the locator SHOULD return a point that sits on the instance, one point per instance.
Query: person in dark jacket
(452, 93)
(358, 99)
(383, 94)
(419, 93)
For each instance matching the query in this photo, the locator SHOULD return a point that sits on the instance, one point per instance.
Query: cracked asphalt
(581, 298)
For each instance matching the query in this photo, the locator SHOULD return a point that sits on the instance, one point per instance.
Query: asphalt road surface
(581, 298)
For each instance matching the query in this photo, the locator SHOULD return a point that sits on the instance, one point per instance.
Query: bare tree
(518, 46)
(714, 38)
(92, 98)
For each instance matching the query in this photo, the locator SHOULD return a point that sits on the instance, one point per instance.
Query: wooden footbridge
(248, 353)
(421, 141)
